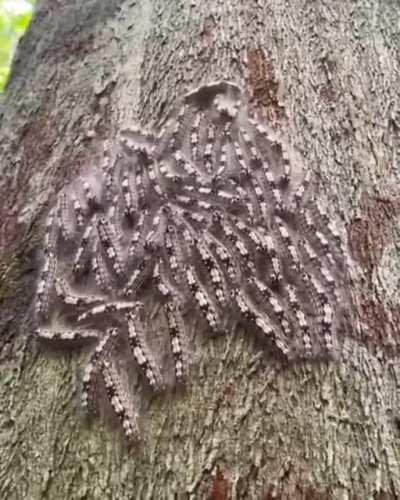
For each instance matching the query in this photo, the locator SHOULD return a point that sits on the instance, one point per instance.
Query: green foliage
(15, 16)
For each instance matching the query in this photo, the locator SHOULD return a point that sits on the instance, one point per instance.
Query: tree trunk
(325, 75)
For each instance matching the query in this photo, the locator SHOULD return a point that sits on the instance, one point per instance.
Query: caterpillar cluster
(211, 215)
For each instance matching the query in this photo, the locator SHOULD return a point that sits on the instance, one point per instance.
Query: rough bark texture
(325, 74)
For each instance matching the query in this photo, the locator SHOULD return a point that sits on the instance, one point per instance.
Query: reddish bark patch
(370, 233)
(381, 323)
(38, 139)
(209, 26)
(102, 108)
(74, 166)
(262, 81)
(300, 493)
(327, 94)
(10, 230)
(373, 315)
(229, 391)
(79, 47)
(384, 495)
(221, 487)
(36, 145)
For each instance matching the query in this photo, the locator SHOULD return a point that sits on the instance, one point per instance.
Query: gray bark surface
(325, 75)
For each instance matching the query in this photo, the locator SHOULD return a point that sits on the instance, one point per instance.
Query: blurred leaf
(5, 55)
(20, 23)
(4, 72)
(15, 17)
(4, 22)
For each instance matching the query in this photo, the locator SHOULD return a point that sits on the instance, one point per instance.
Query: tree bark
(325, 75)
